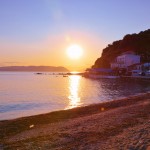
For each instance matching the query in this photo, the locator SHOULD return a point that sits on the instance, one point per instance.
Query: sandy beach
(116, 125)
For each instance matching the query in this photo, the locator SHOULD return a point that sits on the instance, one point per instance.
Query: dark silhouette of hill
(34, 68)
(138, 43)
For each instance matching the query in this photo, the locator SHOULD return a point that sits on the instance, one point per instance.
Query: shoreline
(82, 122)
(79, 107)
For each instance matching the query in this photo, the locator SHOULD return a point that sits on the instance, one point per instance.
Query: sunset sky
(38, 32)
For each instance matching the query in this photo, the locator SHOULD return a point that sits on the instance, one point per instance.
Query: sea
(27, 93)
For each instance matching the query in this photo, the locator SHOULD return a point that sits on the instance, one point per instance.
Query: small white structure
(125, 60)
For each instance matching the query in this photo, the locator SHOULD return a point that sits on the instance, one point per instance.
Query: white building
(125, 60)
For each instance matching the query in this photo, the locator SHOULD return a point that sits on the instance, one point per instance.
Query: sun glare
(74, 51)
(74, 91)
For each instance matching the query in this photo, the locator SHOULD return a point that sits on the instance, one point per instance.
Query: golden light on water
(74, 99)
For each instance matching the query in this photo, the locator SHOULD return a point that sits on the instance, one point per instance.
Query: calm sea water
(25, 94)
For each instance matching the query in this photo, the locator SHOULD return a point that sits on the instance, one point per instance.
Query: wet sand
(117, 125)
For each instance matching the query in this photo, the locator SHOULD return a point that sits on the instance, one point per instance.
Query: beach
(117, 125)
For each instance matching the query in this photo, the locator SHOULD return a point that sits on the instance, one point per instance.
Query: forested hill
(34, 68)
(139, 43)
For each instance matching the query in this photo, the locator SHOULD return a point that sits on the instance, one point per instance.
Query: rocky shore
(116, 125)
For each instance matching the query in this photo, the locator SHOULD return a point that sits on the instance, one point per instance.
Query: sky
(38, 32)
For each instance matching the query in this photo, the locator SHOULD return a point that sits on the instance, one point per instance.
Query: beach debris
(102, 108)
(31, 126)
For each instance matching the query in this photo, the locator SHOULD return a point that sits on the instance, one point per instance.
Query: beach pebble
(31, 126)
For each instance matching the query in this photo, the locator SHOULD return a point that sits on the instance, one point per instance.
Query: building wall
(123, 61)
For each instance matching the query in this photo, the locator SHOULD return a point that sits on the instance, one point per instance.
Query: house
(139, 69)
(124, 60)
(146, 66)
(135, 69)
(137, 66)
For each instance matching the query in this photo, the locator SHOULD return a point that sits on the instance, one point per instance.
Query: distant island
(138, 43)
(35, 68)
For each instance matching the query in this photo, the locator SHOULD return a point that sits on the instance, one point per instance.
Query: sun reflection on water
(74, 99)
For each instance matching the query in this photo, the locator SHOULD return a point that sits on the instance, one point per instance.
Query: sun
(74, 51)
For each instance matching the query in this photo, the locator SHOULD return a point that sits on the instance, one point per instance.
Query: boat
(39, 73)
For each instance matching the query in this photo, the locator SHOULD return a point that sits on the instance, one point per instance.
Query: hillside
(34, 68)
(139, 43)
